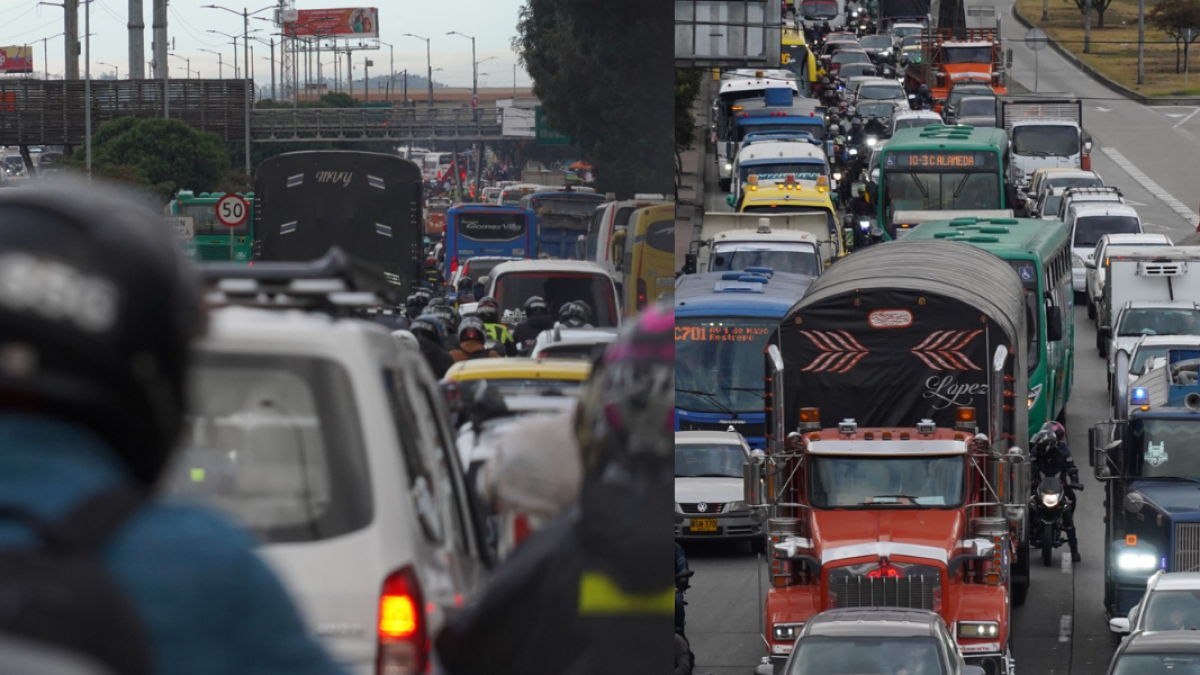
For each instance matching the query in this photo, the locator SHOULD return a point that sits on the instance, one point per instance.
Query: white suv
(1171, 602)
(1090, 221)
(328, 438)
(1096, 271)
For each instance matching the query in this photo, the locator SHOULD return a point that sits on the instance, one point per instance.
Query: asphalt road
(1153, 155)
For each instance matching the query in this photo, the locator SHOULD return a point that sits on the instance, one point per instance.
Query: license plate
(704, 525)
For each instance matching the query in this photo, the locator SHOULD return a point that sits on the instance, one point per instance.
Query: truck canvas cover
(905, 331)
(367, 204)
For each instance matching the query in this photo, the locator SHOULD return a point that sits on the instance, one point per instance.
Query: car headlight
(978, 629)
(1050, 500)
(786, 631)
(837, 175)
(1132, 560)
(738, 507)
(854, 151)
(871, 141)
(729, 167)
(677, 509)
(1034, 393)
(1076, 261)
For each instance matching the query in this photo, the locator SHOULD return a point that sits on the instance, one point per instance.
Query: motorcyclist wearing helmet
(1052, 457)
(857, 136)
(414, 305)
(466, 291)
(537, 319)
(95, 350)
(431, 336)
(924, 100)
(578, 596)
(472, 340)
(875, 126)
(489, 311)
(450, 320)
(575, 314)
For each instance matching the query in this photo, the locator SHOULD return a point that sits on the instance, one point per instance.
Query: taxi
(516, 377)
(790, 196)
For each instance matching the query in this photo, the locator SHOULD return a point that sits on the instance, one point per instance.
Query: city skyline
(26, 23)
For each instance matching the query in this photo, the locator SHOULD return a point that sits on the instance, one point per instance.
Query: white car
(1072, 196)
(561, 342)
(1088, 222)
(909, 119)
(708, 488)
(1096, 272)
(1137, 319)
(478, 269)
(329, 439)
(1150, 350)
(1171, 603)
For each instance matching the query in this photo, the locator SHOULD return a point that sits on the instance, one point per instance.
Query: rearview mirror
(1090, 264)
(690, 261)
(1105, 332)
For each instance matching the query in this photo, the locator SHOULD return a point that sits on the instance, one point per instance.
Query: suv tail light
(403, 638)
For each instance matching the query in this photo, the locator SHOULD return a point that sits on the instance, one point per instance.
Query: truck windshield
(1143, 354)
(835, 656)
(912, 191)
(709, 460)
(1167, 447)
(571, 214)
(793, 258)
(818, 9)
(1159, 321)
(1089, 229)
(809, 170)
(719, 363)
(966, 54)
(976, 106)
(1055, 140)
(817, 130)
(839, 482)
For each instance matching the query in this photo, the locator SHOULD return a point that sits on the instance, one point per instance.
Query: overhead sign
(16, 60)
(544, 134)
(352, 22)
(517, 122)
(183, 227)
(232, 210)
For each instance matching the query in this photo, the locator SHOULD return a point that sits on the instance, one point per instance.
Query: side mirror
(1092, 447)
(912, 97)
(1119, 624)
(951, 120)
(690, 261)
(1090, 264)
(1008, 59)
(1054, 324)
(730, 200)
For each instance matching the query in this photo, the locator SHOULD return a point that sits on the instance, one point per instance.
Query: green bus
(210, 239)
(924, 171)
(1039, 252)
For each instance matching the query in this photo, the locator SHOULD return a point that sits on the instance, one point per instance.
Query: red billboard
(16, 60)
(356, 22)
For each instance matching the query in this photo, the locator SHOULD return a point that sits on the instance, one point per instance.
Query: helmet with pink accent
(626, 408)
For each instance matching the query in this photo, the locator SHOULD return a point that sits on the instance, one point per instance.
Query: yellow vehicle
(647, 261)
(518, 376)
(790, 196)
(798, 58)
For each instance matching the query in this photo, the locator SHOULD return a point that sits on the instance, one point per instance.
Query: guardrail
(290, 125)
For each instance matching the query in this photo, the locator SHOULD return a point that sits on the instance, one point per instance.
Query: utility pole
(474, 69)
(350, 70)
(87, 84)
(1141, 71)
(137, 40)
(159, 28)
(220, 62)
(367, 63)
(71, 28)
(428, 64)
(1087, 29)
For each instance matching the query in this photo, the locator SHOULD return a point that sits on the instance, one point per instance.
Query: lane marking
(1151, 187)
(1193, 113)
(1133, 203)
(1173, 115)
(1099, 109)
(1064, 628)
(1066, 563)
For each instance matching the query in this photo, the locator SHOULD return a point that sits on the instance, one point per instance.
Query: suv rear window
(274, 441)
(1089, 229)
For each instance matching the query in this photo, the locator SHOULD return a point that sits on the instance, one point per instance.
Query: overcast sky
(492, 22)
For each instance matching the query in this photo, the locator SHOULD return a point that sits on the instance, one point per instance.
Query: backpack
(59, 591)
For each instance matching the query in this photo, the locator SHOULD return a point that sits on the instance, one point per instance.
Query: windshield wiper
(710, 396)
(961, 186)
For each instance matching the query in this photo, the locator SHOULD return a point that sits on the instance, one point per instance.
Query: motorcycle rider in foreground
(1050, 456)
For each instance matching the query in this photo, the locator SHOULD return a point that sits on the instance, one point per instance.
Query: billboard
(360, 22)
(16, 60)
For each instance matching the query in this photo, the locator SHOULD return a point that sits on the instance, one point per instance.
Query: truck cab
(1145, 457)
(1044, 133)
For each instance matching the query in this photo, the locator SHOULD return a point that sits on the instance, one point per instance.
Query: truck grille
(1187, 548)
(915, 592)
(753, 429)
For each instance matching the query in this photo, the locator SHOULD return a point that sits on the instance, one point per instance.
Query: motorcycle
(1048, 505)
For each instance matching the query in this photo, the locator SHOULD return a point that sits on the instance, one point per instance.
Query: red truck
(897, 473)
(953, 56)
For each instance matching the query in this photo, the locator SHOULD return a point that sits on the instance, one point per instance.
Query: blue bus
(723, 321)
(479, 230)
(561, 218)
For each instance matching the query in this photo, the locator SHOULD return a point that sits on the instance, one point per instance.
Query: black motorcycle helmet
(97, 314)
(472, 329)
(488, 309)
(466, 285)
(536, 306)
(573, 314)
(415, 304)
(449, 316)
(437, 301)
(430, 327)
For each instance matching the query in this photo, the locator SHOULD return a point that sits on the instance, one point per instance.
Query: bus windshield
(1165, 447)
(719, 364)
(801, 169)
(951, 191)
(793, 258)
(966, 54)
(839, 482)
(816, 129)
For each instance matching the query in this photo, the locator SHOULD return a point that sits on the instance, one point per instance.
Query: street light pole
(392, 69)
(220, 62)
(474, 69)
(87, 81)
(116, 70)
(428, 64)
(246, 13)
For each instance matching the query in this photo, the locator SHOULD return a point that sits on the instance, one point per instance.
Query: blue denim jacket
(209, 604)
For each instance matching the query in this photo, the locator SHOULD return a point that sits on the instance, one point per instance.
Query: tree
(1099, 6)
(602, 73)
(163, 155)
(1173, 17)
(687, 87)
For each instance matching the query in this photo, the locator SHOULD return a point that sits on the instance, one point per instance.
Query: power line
(188, 28)
(31, 30)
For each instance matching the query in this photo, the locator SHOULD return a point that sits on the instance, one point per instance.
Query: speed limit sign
(232, 210)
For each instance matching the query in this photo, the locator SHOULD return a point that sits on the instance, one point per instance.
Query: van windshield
(559, 288)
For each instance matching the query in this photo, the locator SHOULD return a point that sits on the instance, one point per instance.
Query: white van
(1088, 222)
(557, 282)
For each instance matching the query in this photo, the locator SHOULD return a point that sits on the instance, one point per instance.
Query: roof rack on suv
(1105, 190)
(336, 283)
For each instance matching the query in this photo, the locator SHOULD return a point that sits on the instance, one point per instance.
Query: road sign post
(231, 212)
(1189, 34)
(1036, 40)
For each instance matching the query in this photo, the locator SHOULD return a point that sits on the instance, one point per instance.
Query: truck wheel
(1047, 544)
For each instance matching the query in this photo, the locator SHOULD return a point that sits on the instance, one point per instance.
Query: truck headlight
(786, 631)
(853, 151)
(1132, 560)
(1034, 393)
(1050, 500)
(978, 629)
